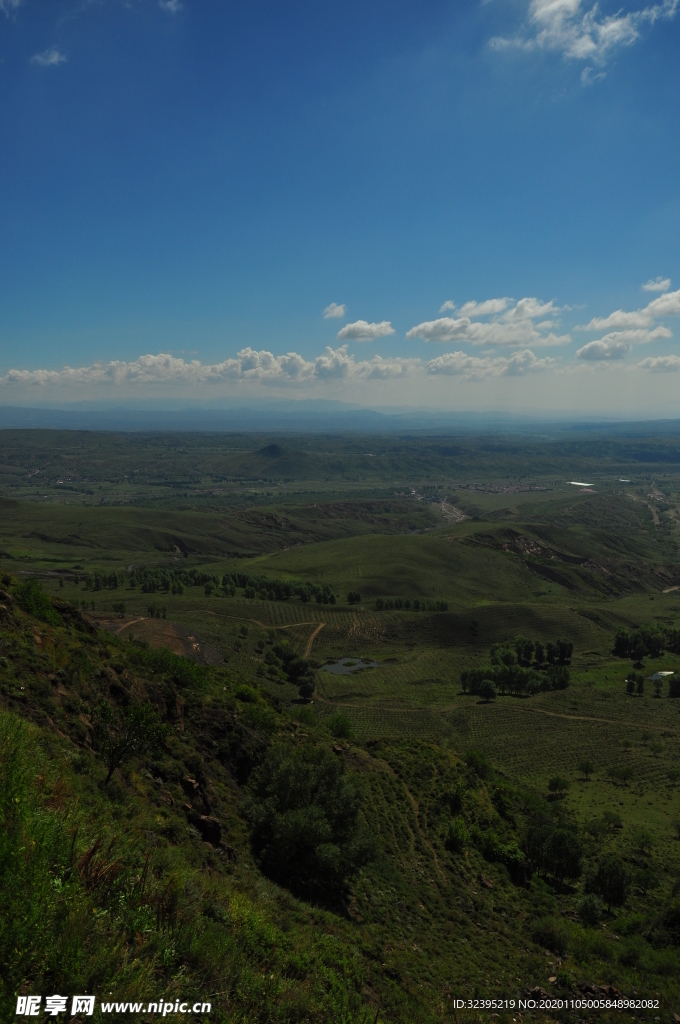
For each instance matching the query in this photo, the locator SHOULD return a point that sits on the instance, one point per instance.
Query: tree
(630, 685)
(539, 653)
(564, 854)
(639, 652)
(559, 677)
(586, 767)
(524, 649)
(611, 881)
(307, 830)
(551, 653)
(622, 643)
(558, 785)
(487, 691)
(354, 597)
(646, 879)
(589, 910)
(643, 841)
(656, 746)
(565, 650)
(640, 685)
(623, 774)
(674, 685)
(475, 760)
(658, 686)
(122, 733)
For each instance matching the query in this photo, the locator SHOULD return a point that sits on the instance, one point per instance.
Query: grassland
(421, 923)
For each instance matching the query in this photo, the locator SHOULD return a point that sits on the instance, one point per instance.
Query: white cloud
(659, 284)
(7, 6)
(583, 33)
(511, 323)
(589, 76)
(483, 308)
(50, 58)
(445, 306)
(661, 364)
(334, 310)
(172, 6)
(460, 364)
(598, 351)
(360, 330)
(665, 305)
(249, 365)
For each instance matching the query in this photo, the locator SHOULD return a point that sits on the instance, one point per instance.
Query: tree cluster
(511, 669)
(156, 580)
(513, 679)
(276, 590)
(647, 641)
(297, 669)
(104, 580)
(389, 603)
(522, 651)
(307, 831)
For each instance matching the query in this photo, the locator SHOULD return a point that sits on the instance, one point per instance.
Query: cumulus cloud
(618, 344)
(334, 310)
(661, 364)
(445, 306)
(583, 33)
(248, 365)
(171, 6)
(460, 364)
(361, 330)
(8, 6)
(50, 58)
(667, 304)
(659, 284)
(604, 350)
(499, 321)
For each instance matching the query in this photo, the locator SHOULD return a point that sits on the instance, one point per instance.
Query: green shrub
(260, 717)
(32, 599)
(246, 694)
(457, 837)
(589, 909)
(340, 726)
(476, 761)
(305, 716)
(552, 934)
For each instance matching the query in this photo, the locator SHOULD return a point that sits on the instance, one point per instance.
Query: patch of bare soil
(161, 633)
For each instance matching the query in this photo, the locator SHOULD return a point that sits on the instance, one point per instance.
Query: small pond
(345, 666)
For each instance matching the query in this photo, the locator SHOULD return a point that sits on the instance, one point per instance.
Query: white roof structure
(579, 483)
(661, 675)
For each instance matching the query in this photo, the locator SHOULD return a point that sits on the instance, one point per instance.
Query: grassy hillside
(392, 842)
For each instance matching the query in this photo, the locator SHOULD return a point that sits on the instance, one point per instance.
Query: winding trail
(308, 648)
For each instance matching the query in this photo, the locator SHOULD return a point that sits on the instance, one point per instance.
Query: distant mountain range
(305, 415)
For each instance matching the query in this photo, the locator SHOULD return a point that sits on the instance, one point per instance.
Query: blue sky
(478, 191)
